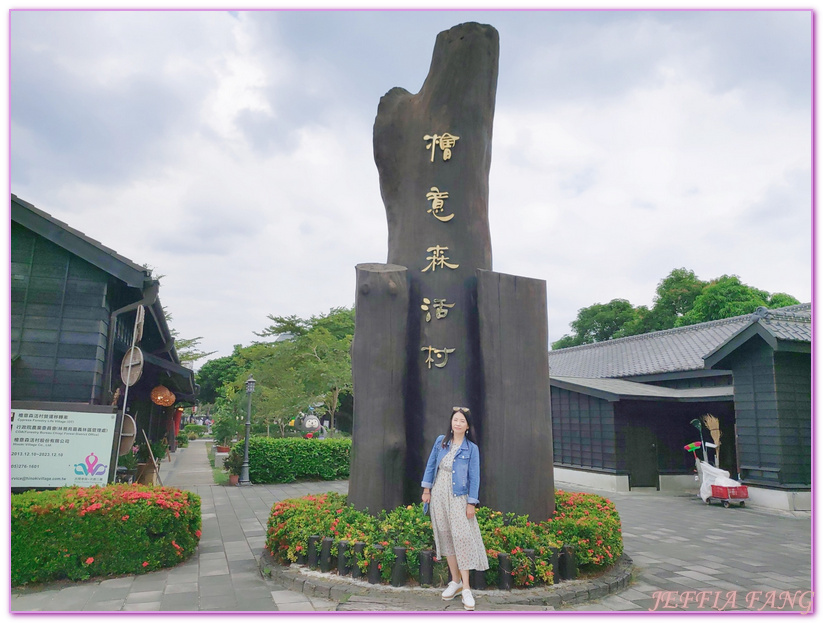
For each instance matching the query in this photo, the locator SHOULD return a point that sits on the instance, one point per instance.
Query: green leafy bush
(588, 522)
(513, 534)
(279, 459)
(77, 533)
(234, 461)
(182, 440)
(197, 429)
(224, 428)
(129, 459)
(158, 449)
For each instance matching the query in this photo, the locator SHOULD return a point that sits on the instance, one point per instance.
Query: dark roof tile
(673, 350)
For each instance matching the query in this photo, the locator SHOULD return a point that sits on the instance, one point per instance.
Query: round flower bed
(587, 522)
(76, 533)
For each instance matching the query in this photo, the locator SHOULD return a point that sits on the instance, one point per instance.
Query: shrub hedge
(198, 429)
(76, 533)
(285, 459)
(588, 522)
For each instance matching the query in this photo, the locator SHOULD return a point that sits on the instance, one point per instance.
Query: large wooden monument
(435, 327)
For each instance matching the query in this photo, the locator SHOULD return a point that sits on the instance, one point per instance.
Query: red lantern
(178, 413)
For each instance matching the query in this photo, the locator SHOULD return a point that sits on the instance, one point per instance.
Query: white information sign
(60, 448)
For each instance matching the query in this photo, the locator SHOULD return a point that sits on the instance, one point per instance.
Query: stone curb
(301, 579)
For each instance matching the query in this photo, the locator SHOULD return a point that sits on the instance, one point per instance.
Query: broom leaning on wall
(713, 426)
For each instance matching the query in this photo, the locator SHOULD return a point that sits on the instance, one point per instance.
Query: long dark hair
(469, 433)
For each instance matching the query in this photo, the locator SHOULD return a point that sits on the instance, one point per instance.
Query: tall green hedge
(76, 533)
(285, 459)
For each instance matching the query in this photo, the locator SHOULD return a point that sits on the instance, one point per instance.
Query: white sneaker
(468, 600)
(452, 590)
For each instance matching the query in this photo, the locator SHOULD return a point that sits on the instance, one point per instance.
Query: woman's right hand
(427, 497)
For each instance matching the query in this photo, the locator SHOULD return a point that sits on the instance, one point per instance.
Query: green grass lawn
(220, 477)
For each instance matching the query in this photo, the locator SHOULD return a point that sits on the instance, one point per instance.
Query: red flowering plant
(404, 526)
(513, 534)
(292, 522)
(78, 533)
(591, 524)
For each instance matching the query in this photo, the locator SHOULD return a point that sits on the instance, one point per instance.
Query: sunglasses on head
(463, 409)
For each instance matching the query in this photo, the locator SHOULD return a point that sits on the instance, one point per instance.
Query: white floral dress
(454, 533)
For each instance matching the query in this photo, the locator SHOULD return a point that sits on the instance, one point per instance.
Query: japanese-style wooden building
(73, 308)
(621, 409)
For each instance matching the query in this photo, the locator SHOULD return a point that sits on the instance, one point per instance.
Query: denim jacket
(465, 469)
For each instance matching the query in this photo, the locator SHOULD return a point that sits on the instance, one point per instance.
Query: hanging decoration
(162, 396)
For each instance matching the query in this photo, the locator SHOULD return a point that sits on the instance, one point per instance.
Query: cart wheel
(742, 503)
(725, 504)
(708, 500)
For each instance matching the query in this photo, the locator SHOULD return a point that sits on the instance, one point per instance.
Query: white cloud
(234, 153)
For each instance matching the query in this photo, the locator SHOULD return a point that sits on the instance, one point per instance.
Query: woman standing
(451, 485)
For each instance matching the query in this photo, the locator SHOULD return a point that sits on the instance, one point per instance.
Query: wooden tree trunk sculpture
(433, 154)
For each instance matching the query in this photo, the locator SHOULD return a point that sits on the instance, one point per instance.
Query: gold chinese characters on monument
(437, 197)
(445, 141)
(438, 258)
(440, 307)
(439, 353)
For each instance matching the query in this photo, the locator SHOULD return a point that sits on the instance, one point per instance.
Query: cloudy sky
(232, 152)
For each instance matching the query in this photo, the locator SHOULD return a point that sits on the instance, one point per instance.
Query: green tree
(724, 297)
(339, 322)
(312, 366)
(598, 323)
(215, 373)
(187, 348)
(328, 367)
(681, 299)
(674, 297)
(780, 299)
(281, 392)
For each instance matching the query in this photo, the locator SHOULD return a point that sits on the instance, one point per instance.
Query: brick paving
(687, 556)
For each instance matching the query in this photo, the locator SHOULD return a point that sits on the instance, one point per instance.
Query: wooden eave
(77, 243)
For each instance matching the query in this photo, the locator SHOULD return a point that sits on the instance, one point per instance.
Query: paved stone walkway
(685, 553)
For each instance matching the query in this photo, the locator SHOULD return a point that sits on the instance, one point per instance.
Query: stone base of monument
(360, 595)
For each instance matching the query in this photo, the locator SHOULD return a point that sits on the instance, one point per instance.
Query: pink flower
(89, 560)
(145, 563)
(124, 517)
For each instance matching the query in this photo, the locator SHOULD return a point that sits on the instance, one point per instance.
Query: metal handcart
(716, 484)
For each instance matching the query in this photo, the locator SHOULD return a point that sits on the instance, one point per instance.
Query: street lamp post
(244, 470)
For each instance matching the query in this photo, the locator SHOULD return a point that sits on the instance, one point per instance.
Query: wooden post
(313, 541)
(398, 572)
(426, 568)
(516, 431)
(374, 566)
(325, 554)
(568, 563)
(477, 579)
(378, 463)
(359, 546)
(555, 562)
(343, 566)
(504, 572)
(530, 555)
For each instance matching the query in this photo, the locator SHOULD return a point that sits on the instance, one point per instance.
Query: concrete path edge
(301, 579)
